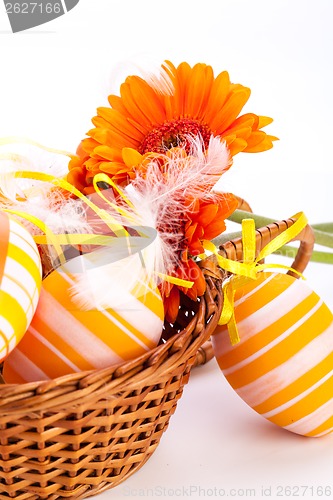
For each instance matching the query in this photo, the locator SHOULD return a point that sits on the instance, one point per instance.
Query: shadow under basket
(78, 435)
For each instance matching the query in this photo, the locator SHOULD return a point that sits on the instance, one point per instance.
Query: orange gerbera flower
(146, 118)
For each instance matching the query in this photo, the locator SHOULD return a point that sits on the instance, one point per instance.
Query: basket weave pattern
(78, 435)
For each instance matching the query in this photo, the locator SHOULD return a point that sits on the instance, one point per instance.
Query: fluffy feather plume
(104, 278)
(59, 213)
(18, 156)
(147, 68)
(191, 176)
(162, 195)
(159, 79)
(157, 200)
(35, 197)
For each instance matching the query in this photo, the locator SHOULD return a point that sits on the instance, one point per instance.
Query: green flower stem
(323, 234)
(317, 256)
(285, 251)
(323, 238)
(225, 237)
(327, 227)
(260, 220)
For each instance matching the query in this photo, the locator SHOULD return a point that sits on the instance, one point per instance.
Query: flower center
(174, 133)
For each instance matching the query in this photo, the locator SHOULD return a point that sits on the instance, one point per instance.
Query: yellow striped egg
(64, 338)
(283, 365)
(20, 281)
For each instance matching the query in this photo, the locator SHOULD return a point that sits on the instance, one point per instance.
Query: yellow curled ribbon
(4, 141)
(243, 272)
(59, 240)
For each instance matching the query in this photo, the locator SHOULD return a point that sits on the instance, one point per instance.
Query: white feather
(157, 202)
(105, 278)
(201, 170)
(15, 157)
(34, 198)
(159, 79)
(146, 67)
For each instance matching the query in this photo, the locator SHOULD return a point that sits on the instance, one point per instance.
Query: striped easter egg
(64, 338)
(283, 365)
(20, 282)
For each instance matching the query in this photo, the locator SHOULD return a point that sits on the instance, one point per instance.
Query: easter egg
(65, 338)
(283, 365)
(20, 282)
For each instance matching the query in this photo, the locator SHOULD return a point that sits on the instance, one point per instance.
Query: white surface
(52, 80)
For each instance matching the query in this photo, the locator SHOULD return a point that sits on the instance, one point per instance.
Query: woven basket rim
(125, 376)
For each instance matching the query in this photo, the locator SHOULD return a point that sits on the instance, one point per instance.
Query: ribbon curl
(243, 272)
(58, 240)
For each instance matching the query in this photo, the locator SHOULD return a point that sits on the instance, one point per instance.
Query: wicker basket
(78, 435)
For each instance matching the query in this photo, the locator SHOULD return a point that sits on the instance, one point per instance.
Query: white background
(52, 79)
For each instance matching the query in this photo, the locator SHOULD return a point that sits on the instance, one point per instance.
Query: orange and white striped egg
(283, 365)
(20, 282)
(63, 338)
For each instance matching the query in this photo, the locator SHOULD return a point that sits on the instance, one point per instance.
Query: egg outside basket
(78, 435)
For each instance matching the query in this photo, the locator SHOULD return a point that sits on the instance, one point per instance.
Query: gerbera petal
(170, 109)
(237, 146)
(123, 178)
(93, 163)
(214, 229)
(231, 110)
(217, 98)
(87, 146)
(198, 88)
(247, 120)
(116, 103)
(131, 157)
(76, 177)
(141, 129)
(195, 274)
(131, 105)
(207, 214)
(266, 144)
(227, 204)
(105, 152)
(81, 153)
(264, 121)
(88, 190)
(242, 133)
(183, 76)
(189, 232)
(195, 247)
(100, 135)
(111, 167)
(255, 138)
(171, 305)
(209, 81)
(148, 100)
(112, 137)
(118, 122)
(200, 283)
(173, 102)
(99, 122)
(75, 162)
